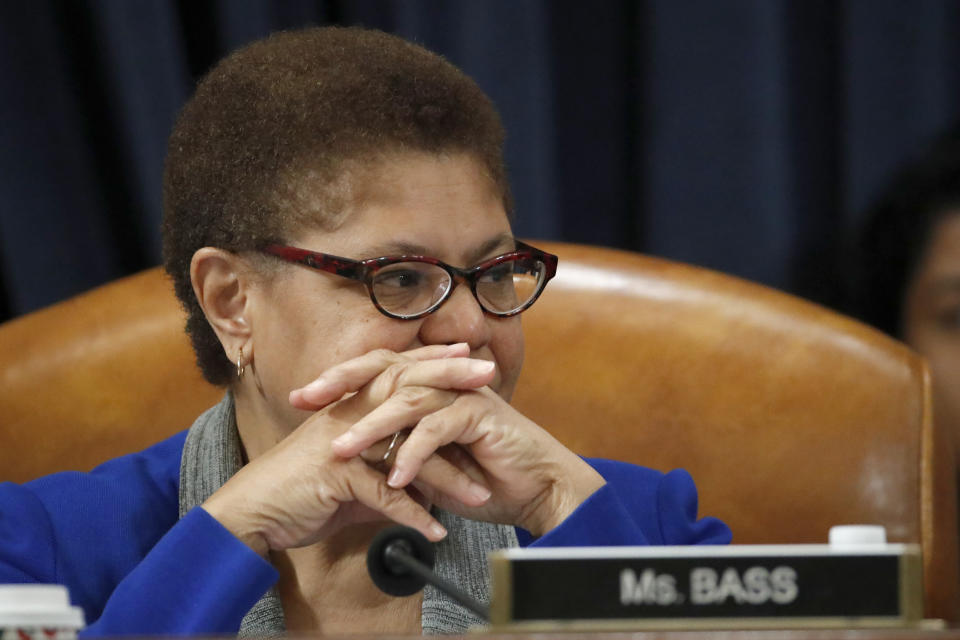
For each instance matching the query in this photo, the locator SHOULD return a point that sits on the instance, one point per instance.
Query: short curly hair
(274, 129)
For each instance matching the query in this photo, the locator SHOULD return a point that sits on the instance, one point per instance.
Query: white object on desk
(848, 535)
(32, 610)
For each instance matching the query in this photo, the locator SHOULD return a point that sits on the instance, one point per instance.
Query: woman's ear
(221, 282)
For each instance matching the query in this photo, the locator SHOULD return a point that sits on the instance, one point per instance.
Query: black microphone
(400, 562)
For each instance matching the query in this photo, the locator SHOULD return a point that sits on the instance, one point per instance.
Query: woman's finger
(367, 487)
(401, 396)
(456, 476)
(449, 373)
(454, 423)
(439, 475)
(377, 453)
(404, 408)
(353, 374)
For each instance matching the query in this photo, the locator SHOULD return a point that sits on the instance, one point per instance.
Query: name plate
(707, 587)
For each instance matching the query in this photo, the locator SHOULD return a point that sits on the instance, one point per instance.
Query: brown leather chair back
(106, 373)
(791, 418)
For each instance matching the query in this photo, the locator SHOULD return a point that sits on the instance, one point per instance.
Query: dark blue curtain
(741, 135)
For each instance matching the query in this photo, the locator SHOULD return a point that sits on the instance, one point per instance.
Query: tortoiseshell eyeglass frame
(364, 271)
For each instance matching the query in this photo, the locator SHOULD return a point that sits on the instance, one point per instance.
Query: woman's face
(303, 321)
(932, 318)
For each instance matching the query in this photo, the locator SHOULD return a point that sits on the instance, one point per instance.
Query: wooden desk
(819, 634)
(771, 634)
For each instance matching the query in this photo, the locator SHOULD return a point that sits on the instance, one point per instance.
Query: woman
(336, 225)
(906, 267)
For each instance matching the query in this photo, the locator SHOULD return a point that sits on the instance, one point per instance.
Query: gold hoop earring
(240, 366)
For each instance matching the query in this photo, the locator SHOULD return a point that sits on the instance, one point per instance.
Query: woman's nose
(459, 319)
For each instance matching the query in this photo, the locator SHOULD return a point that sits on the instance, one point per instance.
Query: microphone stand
(399, 553)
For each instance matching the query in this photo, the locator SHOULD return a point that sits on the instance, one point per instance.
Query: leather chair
(791, 418)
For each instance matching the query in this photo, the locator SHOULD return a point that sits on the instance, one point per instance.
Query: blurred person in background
(905, 273)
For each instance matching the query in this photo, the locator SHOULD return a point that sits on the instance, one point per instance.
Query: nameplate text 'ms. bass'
(746, 586)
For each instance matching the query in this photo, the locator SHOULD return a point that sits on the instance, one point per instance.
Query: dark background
(741, 135)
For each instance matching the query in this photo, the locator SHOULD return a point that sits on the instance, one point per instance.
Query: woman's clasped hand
(464, 450)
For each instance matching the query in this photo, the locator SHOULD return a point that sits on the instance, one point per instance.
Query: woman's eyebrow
(504, 241)
(395, 249)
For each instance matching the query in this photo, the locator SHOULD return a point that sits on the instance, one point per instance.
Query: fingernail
(480, 492)
(343, 441)
(480, 368)
(396, 478)
(317, 385)
(438, 531)
(457, 347)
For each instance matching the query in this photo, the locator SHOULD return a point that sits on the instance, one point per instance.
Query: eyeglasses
(411, 287)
